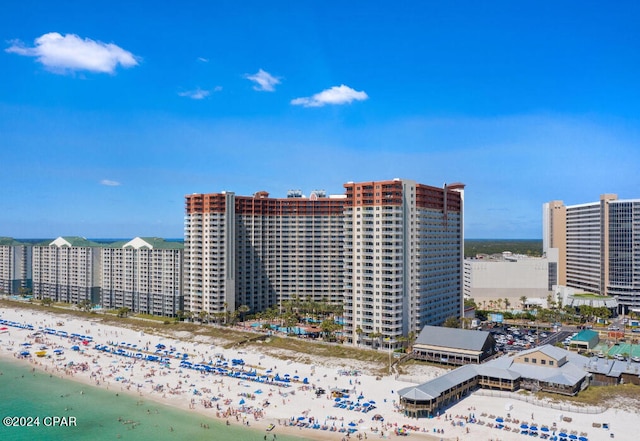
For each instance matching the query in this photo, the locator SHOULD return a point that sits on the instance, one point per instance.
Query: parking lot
(516, 338)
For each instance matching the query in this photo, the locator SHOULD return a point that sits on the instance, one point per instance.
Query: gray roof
(452, 338)
(612, 368)
(568, 374)
(434, 388)
(552, 351)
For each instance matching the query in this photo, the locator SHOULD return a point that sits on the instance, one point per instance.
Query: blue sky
(111, 112)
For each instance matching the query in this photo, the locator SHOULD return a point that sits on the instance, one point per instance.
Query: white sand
(175, 386)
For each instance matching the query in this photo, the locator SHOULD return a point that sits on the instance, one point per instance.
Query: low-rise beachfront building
(546, 368)
(609, 372)
(585, 340)
(15, 266)
(453, 346)
(67, 269)
(144, 275)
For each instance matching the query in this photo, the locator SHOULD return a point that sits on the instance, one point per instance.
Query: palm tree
(242, 310)
(507, 303)
(523, 301)
(85, 305)
(225, 305)
(451, 322)
(359, 331)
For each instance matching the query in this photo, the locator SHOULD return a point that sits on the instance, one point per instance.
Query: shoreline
(240, 400)
(182, 401)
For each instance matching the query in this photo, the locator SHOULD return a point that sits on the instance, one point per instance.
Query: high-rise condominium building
(143, 274)
(67, 270)
(15, 266)
(403, 259)
(600, 245)
(391, 251)
(259, 251)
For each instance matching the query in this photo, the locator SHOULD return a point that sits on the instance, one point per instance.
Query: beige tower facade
(554, 235)
(403, 259)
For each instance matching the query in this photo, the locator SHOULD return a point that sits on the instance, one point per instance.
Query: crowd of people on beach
(235, 386)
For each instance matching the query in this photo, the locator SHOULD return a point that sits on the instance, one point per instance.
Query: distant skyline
(111, 113)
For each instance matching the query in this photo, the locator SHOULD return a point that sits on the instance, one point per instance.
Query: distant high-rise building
(67, 269)
(598, 246)
(143, 274)
(390, 251)
(15, 266)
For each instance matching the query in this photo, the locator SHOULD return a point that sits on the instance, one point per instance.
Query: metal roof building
(453, 346)
(546, 368)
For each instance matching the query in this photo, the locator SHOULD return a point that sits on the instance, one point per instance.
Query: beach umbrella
(562, 435)
(242, 401)
(352, 424)
(524, 426)
(572, 436)
(582, 438)
(75, 348)
(24, 353)
(545, 429)
(499, 420)
(533, 428)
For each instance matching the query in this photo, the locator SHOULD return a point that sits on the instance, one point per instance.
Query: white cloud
(198, 94)
(203, 59)
(110, 183)
(336, 95)
(71, 53)
(264, 81)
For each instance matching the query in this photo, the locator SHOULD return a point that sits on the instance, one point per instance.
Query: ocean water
(101, 415)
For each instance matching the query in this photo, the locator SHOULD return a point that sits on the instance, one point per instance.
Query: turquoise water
(101, 415)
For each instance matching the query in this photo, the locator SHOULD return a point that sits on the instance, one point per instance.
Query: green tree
(46, 301)
(242, 310)
(123, 312)
(329, 327)
(359, 331)
(451, 322)
(85, 305)
(523, 301)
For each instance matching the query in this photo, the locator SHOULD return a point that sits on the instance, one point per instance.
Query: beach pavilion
(453, 346)
(546, 368)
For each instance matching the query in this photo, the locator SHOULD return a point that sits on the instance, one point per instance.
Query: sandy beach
(246, 387)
